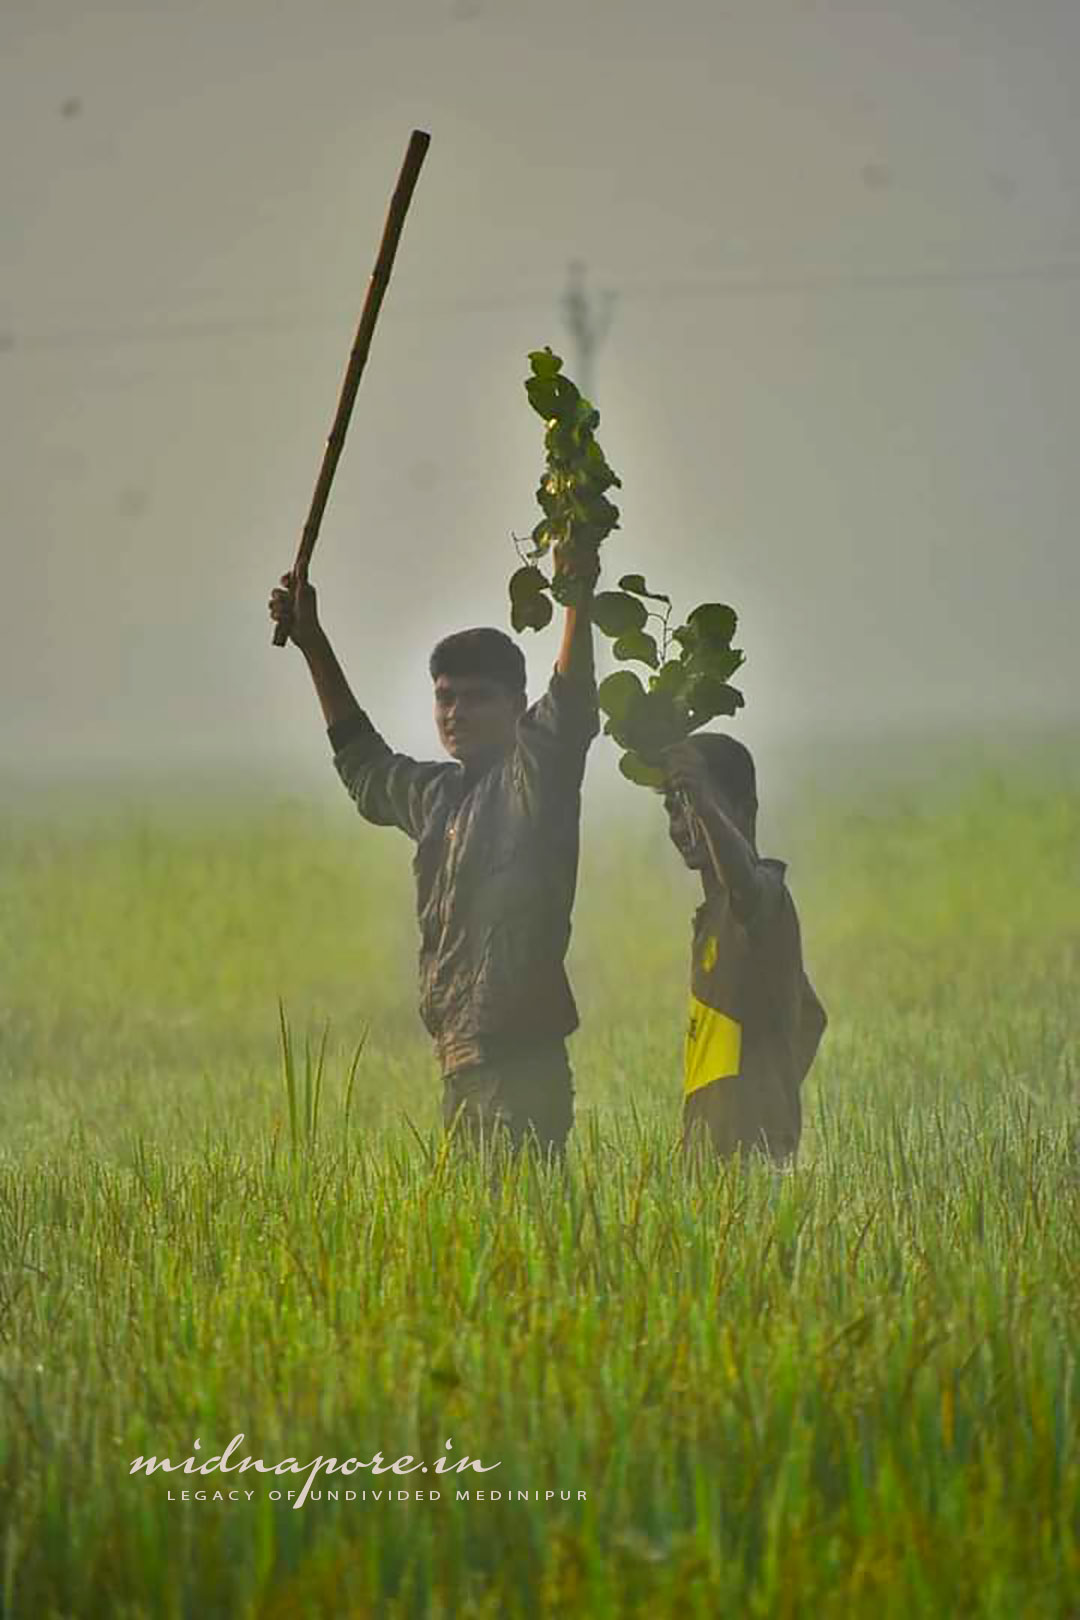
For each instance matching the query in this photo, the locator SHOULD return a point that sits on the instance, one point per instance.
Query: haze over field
(855, 1383)
(840, 384)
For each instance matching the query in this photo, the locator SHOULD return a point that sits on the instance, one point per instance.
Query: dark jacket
(496, 868)
(751, 971)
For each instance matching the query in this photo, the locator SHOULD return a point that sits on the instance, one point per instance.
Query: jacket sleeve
(553, 737)
(388, 789)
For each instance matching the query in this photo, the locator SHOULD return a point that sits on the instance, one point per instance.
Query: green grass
(849, 1390)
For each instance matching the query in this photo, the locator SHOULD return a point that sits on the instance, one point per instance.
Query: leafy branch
(689, 666)
(572, 494)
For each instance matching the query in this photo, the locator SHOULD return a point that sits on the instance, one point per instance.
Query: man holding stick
(496, 829)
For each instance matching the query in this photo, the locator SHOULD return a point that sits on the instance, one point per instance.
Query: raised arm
(554, 733)
(305, 632)
(388, 789)
(576, 660)
(733, 856)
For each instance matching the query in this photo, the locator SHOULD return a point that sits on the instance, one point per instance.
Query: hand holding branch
(576, 657)
(685, 771)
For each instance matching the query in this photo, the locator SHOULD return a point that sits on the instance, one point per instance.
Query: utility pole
(588, 320)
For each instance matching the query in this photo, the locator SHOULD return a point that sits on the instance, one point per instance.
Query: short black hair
(730, 765)
(483, 651)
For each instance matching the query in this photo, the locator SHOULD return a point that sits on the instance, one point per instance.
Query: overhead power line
(200, 328)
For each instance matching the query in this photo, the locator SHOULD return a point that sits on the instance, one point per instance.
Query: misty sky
(840, 385)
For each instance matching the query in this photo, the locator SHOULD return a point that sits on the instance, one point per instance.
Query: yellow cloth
(713, 1047)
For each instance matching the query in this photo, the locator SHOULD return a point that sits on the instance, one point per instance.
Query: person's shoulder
(773, 874)
(774, 898)
(566, 706)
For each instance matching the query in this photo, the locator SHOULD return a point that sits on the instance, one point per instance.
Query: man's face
(475, 715)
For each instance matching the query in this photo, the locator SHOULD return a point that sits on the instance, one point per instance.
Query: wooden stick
(419, 142)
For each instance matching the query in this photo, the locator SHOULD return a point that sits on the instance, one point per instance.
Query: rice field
(848, 1390)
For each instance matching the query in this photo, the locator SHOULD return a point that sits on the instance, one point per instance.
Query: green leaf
(648, 723)
(713, 622)
(559, 443)
(545, 363)
(531, 615)
(715, 662)
(528, 581)
(709, 697)
(617, 614)
(556, 400)
(656, 723)
(602, 513)
(530, 604)
(620, 694)
(636, 584)
(549, 500)
(588, 536)
(544, 396)
(594, 465)
(636, 644)
(635, 769)
(671, 679)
